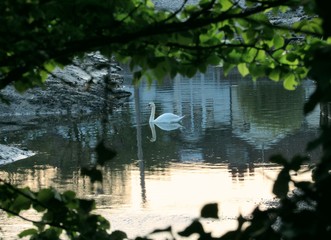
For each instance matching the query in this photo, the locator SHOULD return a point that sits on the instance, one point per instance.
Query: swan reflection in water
(166, 121)
(164, 127)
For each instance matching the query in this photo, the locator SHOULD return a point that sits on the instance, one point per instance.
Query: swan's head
(151, 104)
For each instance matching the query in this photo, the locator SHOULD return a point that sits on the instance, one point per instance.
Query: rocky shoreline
(88, 86)
(9, 154)
(81, 88)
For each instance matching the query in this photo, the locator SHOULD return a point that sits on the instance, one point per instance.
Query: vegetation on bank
(38, 35)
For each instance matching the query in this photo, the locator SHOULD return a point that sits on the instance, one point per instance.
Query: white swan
(164, 118)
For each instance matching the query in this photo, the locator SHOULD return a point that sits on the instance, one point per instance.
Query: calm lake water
(163, 175)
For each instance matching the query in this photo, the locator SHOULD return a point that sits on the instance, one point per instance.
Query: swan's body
(164, 118)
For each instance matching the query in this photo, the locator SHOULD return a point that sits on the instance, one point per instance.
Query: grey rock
(81, 88)
(9, 154)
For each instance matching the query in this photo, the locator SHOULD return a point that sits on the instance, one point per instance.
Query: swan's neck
(151, 118)
(152, 126)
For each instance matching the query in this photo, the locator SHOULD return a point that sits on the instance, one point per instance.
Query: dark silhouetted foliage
(39, 35)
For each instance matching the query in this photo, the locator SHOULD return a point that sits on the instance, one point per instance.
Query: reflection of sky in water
(261, 137)
(191, 155)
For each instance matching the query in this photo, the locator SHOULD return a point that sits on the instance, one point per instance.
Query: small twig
(36, 222)
(130, 13)
(174, 13)
(20, 216)
(197, 14)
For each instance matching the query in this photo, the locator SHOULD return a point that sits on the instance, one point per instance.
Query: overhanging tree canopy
(37, 35)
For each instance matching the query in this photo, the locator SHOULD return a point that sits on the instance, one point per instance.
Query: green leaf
(250, 55)
(86, 205)
(149, 4)
(38, 207)
(50, 66)
(104, 153)
(195, 227)
(250, 36)
(292, 57)
(226, 4)
(257, 70)
(278, 53)
(242, 68)
(210, 211)
(21, 203)
(184, 38)
(297, 161)
(159, 73)
(274, 75)
(137, 76)
(39, 225)
(69, 195)
(278, 41)
(235, 55)
(190, 71)
(43, 75)
(202, 67)
(94, 174)
(227, 67)
(45, 195)
(213, 60)
(118, 235)
(261, 56)
(290, 82)
(279, 159)
(27, 232)
(204, 3)
(163, 230)
(284, 9)
(281, 185)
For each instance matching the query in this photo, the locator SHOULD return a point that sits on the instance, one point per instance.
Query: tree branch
(167, 28)
(20, 216)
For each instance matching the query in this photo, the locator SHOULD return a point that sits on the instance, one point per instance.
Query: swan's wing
(168, 118)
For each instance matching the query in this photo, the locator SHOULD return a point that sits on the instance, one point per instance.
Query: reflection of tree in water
(240, 171)
(264, 102)
(241, 161)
